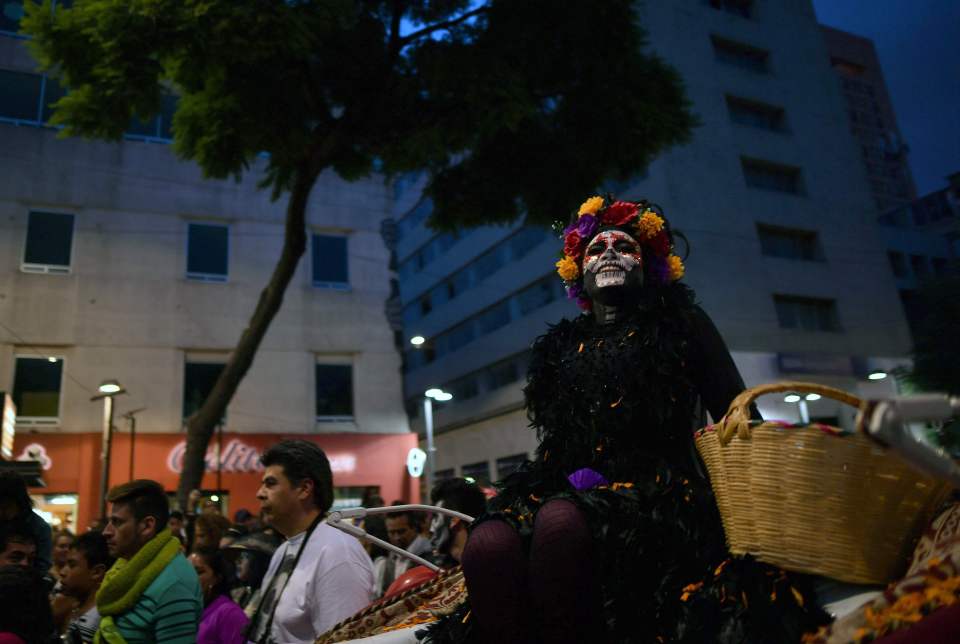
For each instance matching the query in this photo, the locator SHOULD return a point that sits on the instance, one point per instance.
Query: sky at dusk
(918, 42)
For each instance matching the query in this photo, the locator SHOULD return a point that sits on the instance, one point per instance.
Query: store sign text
(244, 459)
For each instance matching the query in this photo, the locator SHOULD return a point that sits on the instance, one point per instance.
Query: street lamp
(801, 402)
(108, 389)
(428, 397)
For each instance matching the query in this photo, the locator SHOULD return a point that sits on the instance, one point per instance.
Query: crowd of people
(146, 573)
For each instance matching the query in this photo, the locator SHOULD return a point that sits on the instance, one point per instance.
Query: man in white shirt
(321, 575)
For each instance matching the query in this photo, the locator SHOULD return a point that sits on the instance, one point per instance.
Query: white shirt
(332, 581)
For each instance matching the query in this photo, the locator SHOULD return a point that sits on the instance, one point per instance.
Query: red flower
(619, 213)
(571, 244)
(660, 244)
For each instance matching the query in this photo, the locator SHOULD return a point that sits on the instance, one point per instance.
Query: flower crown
(639, 219)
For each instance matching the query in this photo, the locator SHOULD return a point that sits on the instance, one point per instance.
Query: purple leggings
(551, 596)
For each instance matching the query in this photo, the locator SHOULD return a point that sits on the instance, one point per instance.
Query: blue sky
(918, 42)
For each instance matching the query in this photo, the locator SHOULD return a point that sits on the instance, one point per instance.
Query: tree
(513, 108)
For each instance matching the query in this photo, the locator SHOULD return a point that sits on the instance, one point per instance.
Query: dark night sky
(918, 42)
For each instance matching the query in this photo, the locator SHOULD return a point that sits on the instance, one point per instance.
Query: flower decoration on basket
(642, 220)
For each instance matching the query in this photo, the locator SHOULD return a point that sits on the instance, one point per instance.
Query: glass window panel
(507, 465)
(19, 95)
(526, 240)
(198, 381)
(770, 176)
(168, 105)
(49, 239)
(334, 388)
(141, 127)
(207, 250)
(740, 55)
(52, 92)
(495, 317)
(533, 297)
(330, 261)
(36, 387)
(501, 374)
(807, 314)
(479, 472)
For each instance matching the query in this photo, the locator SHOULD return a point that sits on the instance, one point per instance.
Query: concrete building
(119, 261)
(772, 193)
(872, 119)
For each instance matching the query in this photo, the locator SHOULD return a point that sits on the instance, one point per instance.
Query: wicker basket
(813, 498)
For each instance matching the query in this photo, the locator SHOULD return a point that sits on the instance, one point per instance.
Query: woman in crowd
(223, 621)
(62, 540)
(209, 530)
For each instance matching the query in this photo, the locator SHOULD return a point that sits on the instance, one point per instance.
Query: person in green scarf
(151, 594)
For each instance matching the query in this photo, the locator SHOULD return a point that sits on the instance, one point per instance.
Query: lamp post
(428, 397)
(108, 389)
(802, 404)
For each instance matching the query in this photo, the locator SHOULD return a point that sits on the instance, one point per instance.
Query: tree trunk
(201, 425)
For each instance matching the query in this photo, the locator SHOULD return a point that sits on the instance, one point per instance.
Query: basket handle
(737, 418)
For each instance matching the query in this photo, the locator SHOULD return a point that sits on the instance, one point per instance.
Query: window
(479, 472)
(198, 381)
(806, 313)
(157, 127)
(918, 263)
(442, 475)
(502, 374)
(741, 55)
(495, 317)
(334, 388)
(20, 95)
(49, 244)
(789, 243)
(540, 293)
(897, 263)
(464, 388)
(766, 175)
(208, 252)
(36, 388)
(756, 114)
(330, 261)
(743, 8)
(847, 67)
(509, 464)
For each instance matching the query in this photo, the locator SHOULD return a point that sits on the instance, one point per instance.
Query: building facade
(785, 253)
(120, 261)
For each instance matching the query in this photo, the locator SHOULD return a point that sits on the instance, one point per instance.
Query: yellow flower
(590, 206)
(568, 269)
(676, 267)
(649, 224)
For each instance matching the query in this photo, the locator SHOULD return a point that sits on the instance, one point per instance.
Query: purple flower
(569, 229)
(574, 290)
(587, 227)
(585, 479)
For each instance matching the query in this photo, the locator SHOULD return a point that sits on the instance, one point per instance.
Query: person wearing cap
(251, 555)
(243, 517)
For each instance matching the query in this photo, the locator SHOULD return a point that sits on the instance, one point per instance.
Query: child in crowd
(88, 560)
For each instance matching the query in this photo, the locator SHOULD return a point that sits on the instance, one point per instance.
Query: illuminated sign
(245, 459)
(36, 452)
(416, 459)
(9, 424)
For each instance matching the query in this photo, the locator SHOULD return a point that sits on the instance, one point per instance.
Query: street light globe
(214, 498)
(417, 340)
(443, 396)
(791, 398)
(109, 387)
(51, 359)
(877, 375)
(433, 392)
(812, 397)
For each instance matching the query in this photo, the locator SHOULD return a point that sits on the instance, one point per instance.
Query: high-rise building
(772, 193)
(872, 119)
(122, 262)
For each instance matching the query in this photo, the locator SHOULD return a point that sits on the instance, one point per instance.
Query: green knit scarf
(126, 580)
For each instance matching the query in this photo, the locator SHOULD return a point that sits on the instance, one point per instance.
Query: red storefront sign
(71, 463)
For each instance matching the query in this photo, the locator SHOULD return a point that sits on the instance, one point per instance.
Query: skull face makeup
(612, 258)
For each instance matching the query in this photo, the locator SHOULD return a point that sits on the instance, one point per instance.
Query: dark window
(806, 313)
(458, 336)
(20, 95)
(771, 176)
(36, 387)
(742, 8)
(464, 388)
(49, 242)
(509, 464)
(740, 55)
(198, 381)
(897, 263)
(441, 475)
(495, 317)
(330, 261)
(525, 240)
(502, 374)
(143, 127)
(208, 252)
(919, 265)
(847, 67)
(538, 294)
(11, 11)
(789, 243)
(756, 114)
(479, 472)
(52, 92)
(168, 105)
(334, 392)
(425, 304)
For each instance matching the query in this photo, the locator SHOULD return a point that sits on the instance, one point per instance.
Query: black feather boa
(620, 399)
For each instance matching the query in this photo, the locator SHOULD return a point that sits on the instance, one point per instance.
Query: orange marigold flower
(590, 206)
(567, 268)
(675, 264)
(649, 224)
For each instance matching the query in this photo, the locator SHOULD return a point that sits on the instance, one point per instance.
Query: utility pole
(131, 418)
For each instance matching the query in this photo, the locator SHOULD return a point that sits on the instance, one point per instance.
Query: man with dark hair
(403, 531)
(176, 524)
(320, 575)
(88, 560)
(151, 594)
(448, 535)
(15, 504)
(18, 545)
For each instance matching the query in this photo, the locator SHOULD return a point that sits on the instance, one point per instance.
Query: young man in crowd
(18, 543)
(88, 560)
(403, 531)
(152, 594)
(320, 575)
(16, 505)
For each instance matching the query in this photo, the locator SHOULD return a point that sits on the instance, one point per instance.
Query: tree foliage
(514, 107)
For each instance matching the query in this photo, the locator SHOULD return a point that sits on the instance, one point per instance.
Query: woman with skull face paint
(611, 533)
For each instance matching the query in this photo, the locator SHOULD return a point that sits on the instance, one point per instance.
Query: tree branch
(394, 47)
(446, 24)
